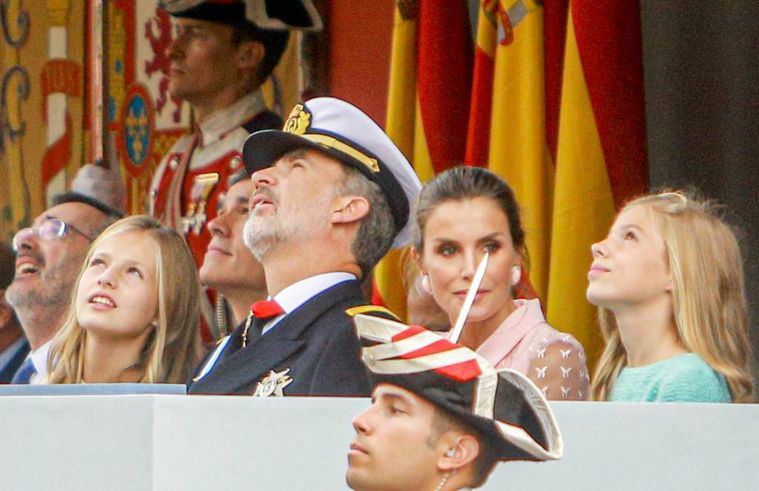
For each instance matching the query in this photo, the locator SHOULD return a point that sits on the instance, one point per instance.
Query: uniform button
(173, 163)
(235, 162)
(153, 193)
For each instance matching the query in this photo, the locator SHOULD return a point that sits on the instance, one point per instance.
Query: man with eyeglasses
(49, 255)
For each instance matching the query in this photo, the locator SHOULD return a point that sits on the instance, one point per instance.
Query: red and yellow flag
(507, 128)
(556, 109)
(428, 104)
(601, 151)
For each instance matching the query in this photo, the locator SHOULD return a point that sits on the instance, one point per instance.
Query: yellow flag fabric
(583, 206)
(400, 127)
(518, 148)
(430, 76)
(601, 152)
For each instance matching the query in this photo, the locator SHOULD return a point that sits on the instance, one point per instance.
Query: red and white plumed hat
(504, 407)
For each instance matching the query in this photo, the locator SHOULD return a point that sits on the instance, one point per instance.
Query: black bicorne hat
(274, 15)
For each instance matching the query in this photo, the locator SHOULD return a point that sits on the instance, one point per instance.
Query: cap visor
(263, 148)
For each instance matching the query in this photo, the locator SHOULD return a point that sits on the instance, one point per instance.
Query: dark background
(701, 68)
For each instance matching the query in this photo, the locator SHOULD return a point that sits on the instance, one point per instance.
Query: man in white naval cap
(221, 54)
(441, 415)
(333, 194)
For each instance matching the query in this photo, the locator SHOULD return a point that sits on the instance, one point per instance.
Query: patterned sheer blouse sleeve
(559, 370)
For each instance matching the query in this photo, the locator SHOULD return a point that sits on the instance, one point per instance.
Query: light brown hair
(708, 295)
(172, 350)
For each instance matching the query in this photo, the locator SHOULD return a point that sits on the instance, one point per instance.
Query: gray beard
(45, 304)
(261, 238)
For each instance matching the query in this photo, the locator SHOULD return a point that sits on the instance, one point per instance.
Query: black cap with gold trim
(504, 407)
(274, 15)
(342, 131)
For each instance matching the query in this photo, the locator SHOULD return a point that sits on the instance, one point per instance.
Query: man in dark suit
(332, 196)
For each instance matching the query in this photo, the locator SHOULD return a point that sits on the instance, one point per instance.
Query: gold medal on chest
(273, 384)
(196, 216)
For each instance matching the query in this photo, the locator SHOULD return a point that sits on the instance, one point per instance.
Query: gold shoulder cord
(248, 323)
(370, 309)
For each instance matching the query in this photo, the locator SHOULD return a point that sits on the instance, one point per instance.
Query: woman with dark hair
(462, 214)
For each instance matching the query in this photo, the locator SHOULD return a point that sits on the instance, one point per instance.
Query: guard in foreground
(441, 416)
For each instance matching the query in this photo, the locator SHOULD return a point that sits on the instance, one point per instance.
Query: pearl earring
(426, 284)
(516, 275)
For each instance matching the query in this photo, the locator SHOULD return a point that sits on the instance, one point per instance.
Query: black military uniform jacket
(8, 370)
(313, 351)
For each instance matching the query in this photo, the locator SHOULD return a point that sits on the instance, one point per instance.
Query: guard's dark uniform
(316, 342)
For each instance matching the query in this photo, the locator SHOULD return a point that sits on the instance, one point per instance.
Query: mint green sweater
(683, 378)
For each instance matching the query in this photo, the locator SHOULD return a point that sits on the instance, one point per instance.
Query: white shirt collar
(39, 360)
(222, 121)
(302, 291)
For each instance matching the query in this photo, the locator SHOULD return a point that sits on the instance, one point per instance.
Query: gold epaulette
(372, 310)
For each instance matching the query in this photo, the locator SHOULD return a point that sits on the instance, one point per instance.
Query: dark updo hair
(462, 183)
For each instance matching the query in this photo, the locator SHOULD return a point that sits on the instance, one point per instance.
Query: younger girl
(668, 280)
(134, 316)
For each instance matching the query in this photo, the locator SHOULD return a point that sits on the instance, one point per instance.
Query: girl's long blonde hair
(172, 350)
(708, 293)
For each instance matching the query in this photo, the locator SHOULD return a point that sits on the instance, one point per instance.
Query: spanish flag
(428, 105)
(601, 151)
(507, 127)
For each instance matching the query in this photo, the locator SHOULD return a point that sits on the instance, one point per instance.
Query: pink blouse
(553, 360)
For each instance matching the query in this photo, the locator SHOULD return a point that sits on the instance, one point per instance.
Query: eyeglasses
(49, 229)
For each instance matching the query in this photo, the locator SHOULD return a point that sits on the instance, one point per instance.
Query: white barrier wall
(143, 442)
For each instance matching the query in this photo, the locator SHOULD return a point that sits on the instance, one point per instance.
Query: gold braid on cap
(300, 120)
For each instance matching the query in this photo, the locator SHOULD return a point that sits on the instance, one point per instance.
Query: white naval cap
(344, 132)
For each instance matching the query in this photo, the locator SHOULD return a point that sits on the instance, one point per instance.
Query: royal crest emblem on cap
(298, 121)
(273, 384)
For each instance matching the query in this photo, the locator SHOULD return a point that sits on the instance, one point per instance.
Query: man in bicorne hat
(221, 54)
(441, 415)
(332, 196)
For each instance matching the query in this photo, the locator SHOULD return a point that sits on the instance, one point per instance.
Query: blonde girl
(134, 315)
(668, 281)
